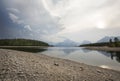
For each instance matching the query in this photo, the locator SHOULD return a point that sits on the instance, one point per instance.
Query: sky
(54, 21)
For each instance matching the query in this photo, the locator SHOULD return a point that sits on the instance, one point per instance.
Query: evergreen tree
(116, 40)
(110, 40)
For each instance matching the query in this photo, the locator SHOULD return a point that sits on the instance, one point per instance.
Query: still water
(110, 60)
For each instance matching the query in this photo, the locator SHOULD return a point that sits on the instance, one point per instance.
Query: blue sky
(57, 20)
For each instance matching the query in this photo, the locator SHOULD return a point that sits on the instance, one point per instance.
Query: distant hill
(107, 38)
(21, 42)
(86, 42)
(66, 43)
(106, 42)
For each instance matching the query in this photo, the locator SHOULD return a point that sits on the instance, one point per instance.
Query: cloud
(56, 8)
(78, 16)
(13, 10)
(15, 18)
(54, 20)
(79, 12)
(28, 27)
(32, 16)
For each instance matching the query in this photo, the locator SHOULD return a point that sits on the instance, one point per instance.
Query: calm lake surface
(102, 59)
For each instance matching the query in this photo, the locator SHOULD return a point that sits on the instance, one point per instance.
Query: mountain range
(86, 42)
(107, 38)
(71, 43)
(67, 43)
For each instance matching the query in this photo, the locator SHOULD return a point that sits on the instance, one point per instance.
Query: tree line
(112, 43)
(21, 42)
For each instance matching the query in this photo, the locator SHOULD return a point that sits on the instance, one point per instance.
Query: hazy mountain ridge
(86, 42)
(67, 43)
(107, 38)
(106, 42)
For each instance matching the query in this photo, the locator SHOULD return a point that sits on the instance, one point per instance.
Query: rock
(22, 68)
(99, 71)
(56, 64)
(81, 69)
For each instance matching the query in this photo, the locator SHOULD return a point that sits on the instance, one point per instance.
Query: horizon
(54, 21)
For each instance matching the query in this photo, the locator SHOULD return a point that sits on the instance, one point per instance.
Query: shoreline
(24, 46)
(104, 48)
(24, 66)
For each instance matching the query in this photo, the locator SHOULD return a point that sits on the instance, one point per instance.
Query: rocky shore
(104, 48)
(23, 66)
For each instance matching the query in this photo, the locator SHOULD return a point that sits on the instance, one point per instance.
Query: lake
(110, 60)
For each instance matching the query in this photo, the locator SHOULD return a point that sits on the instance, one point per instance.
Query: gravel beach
(104, 48)
(24, 66)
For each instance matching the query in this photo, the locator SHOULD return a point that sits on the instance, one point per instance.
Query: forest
(112, 43)
(22, 42)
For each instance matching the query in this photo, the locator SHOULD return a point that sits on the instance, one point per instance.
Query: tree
(116, 40)
(110, 40)
(111, 44)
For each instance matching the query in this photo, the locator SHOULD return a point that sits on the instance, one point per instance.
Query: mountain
(67, 43)
(107, 38)
(85, 42)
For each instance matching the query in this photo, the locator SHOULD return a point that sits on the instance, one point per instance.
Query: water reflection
(91, 57)
(85, 50)
(68, 51)
(115, 55)
(65, 50)
(112, 54)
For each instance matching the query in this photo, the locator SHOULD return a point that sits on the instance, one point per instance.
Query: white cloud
(15, 18)
(56, 8)
(34, 14)
(75, 12)
(52, 38)
(53, 19)
(28, 27)
(13, 10)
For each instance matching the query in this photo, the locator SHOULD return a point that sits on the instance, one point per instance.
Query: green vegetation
(25, 49)
(111, 43)
(116, 42)
(21, 42)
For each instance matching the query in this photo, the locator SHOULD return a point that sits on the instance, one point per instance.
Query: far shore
(24, 66)
(103, 48)
(25, 46)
